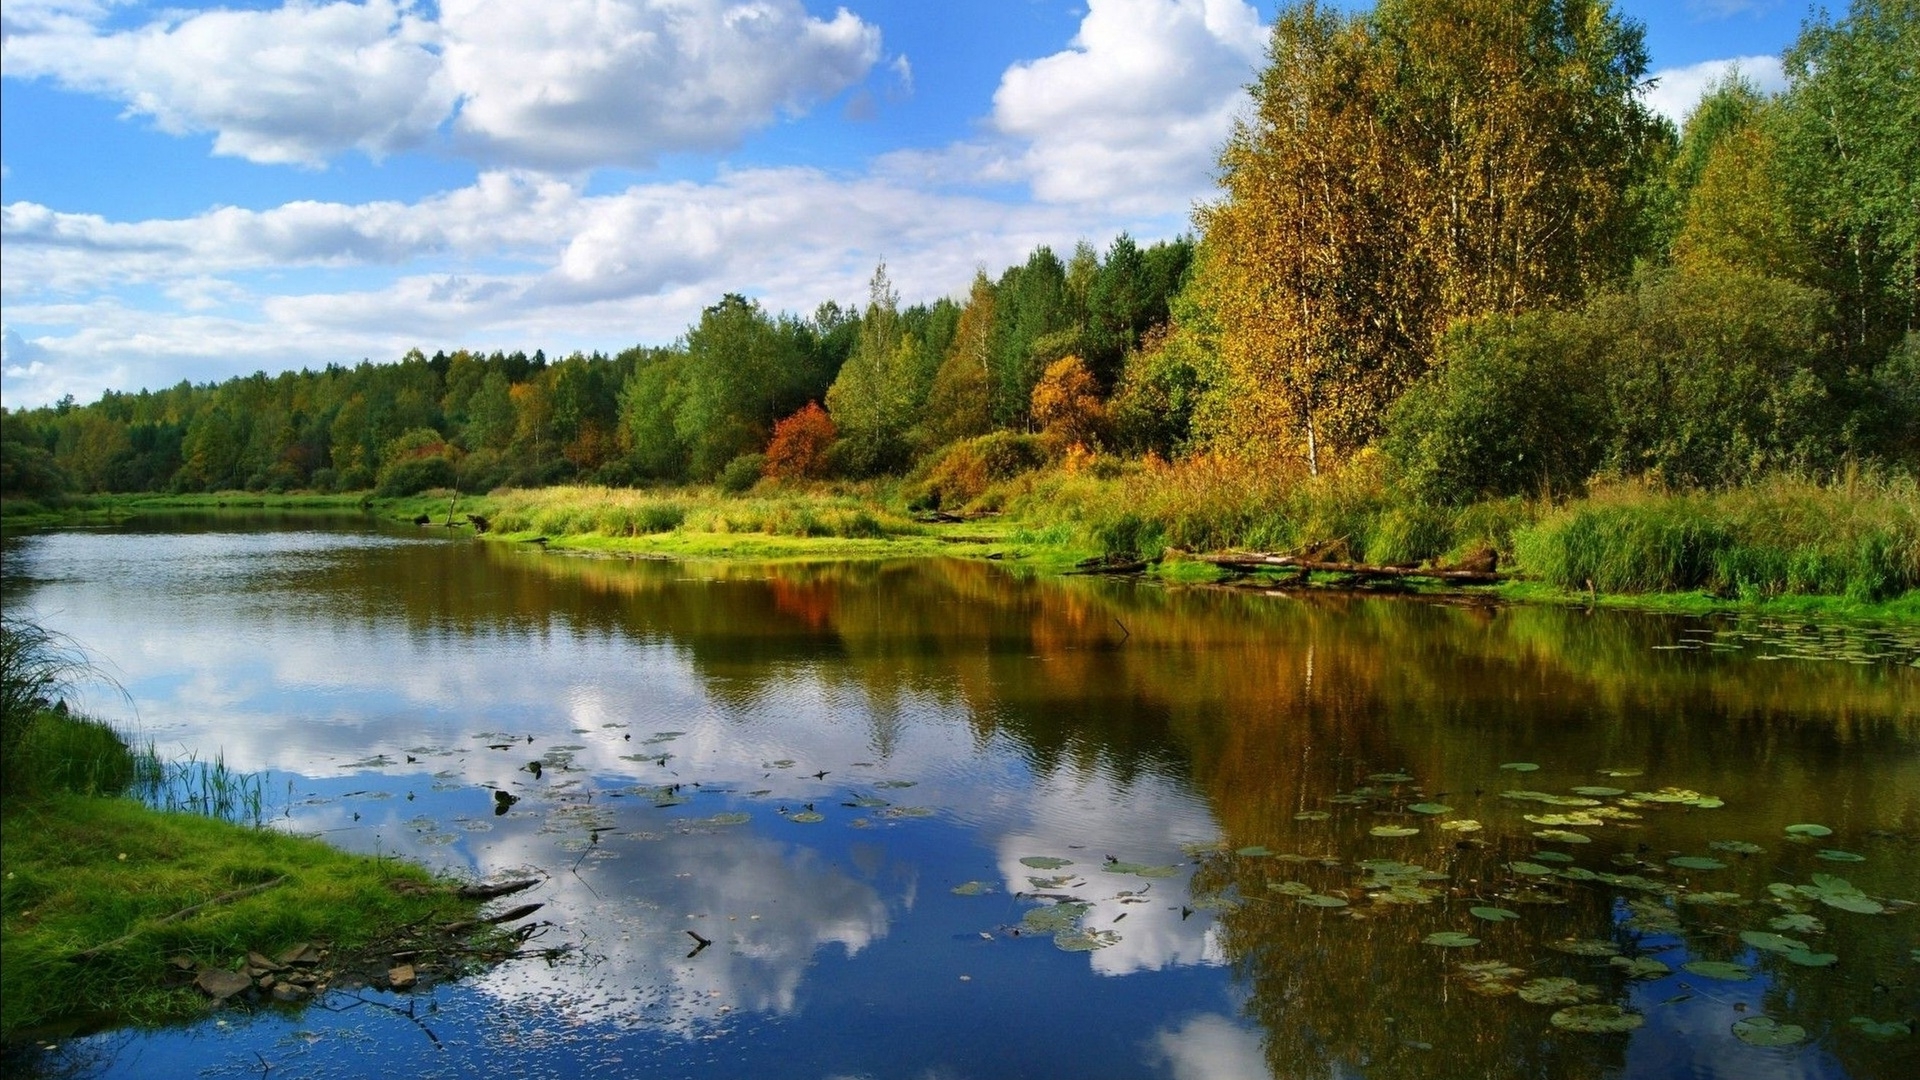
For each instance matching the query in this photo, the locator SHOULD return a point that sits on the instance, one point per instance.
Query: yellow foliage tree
(1066, 402)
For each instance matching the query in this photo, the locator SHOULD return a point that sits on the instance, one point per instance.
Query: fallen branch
(184, 913)
(1251, 561)
(491, 892)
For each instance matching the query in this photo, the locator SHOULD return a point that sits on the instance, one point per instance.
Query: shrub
(741, 473)
(963, 471)
(798, 450)
(1066, 401)
(411, 476)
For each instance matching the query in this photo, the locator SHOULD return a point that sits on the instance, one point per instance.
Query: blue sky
(195, 191)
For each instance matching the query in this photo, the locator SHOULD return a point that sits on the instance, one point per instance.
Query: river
(940, 819)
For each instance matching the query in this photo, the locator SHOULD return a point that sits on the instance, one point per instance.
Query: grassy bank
(110, 910)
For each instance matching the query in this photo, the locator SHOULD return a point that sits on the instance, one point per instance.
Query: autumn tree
(799, 447)
(959, 403)
(1066, 402)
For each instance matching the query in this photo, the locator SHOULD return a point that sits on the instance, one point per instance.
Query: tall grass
(770, 511)
(209, 788)
(43, 747)
(1859, 539)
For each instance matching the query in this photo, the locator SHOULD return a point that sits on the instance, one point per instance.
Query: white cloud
(562, 84)
(1135, 111)
(293, 85)
(1677, 90)
(578, 83)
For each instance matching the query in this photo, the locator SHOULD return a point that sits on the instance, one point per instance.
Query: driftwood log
(1252, 561)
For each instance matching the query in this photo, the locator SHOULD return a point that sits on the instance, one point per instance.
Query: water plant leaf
(1712, 899)
(1808, 829)
(1393, 831)
(1798, 923)
(1858, 903)
(1696, 862)
(1723, 970)
(1254, 851)
(1557, 990)
(1053, 918)
(1461, 825)
(1520, 766)
(1493, 914)
(1766, 1031)
(1622, 774)
(1562, 820)
(896, 784)
(1312, 815)
(1881, 1029)
(807, 817)
(1641, 967)
(1836, 855)
(1736, 847)
(1321, 900)
(1044, 862)
(1390, 778)
(1045, 884)
(972, 888)
(1761, 939)
(1530, 869)
(1551, 856)
(1084, 940)
(730, 817)
(1430, 808)
(1450, 939)
(1598, 792)
(1597, 1019)
(1562, 836)
(1809, 958)
(1584, 947)
(867, 802)
(1291, 888)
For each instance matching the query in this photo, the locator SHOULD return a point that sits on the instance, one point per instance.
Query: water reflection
(803, 763)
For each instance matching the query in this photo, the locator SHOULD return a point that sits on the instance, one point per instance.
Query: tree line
(1451, 234)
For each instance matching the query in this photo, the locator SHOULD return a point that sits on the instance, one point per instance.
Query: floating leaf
(1798, 923)
(1557, 990)
(1291, 888)
(1641, 967)
(1881, 1029)
(1461, 825)
(1760, 939)
(1584, 947)
(1858, 903)
(1390, 778)
(1312, 815)
(1712, 899)
(896, 783)
(1254, 851)
(1600, 792)
(1622, 774)
(1551, 856)
(1562, 836)
(1530, 869)
(1724, 970)
(1084, 940)
(1549, 798)
(807, 817)
(1809, 830)
(732, 817)
(1493, 914)
(1053, 918)
(1393, 831)
(1597, 1019)
(1736, 847)
(907, 811)
(1045, 884)
(1583, 820)
(1321, 901)
(1521, 766)
(1808, 958)
(972, 888)
(867, 802)
(1430, 808)
(1836, 855)
(1450, 939)
(1696, 862)
(1766, 1031)
(1044, 862)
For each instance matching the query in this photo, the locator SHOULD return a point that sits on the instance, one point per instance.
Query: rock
(259, 960)
(401, 977)
(266, 982)
(182, 963)
(221, 985)
(288, 992)
(301, 955)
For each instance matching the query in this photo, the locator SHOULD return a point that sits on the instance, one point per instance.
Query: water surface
(835, 773)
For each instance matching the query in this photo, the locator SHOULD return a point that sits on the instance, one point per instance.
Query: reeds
(208, 788)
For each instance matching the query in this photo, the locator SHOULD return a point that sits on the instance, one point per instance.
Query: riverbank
(1781, 546)
(113, 912)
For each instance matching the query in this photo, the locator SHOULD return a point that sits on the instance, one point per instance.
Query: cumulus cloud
(563, 84)
(1135, 110)
(293, 85)
(577, 83)
(1677, 90)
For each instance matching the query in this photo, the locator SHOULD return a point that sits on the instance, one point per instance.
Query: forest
(1452, 244)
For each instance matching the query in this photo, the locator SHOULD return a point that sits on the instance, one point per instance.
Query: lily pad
(1393, 831)
(1807, 829)
(1597, 1019)
(1881, 1029)
(1078, 940)
(1761, 939)
(1809, 958)
(1450, 939)
(972, 888)
(1798, 923)
(1551, 856)
(1557, 990)
(1320, 900)
(1585, 947)
(1044, 862)
(1493, 914)
(1587, 821)
(730, 817)
(807, 817)
(1390, 778)
(1858, 903)
(1430, 808)
(1736, 847)
(1723, 970)
(1530, 869)
(1622, 774)
(1291, 888)
(1312, 815)
(1461, 825)
(1836, 855)
(1641, 967)
(1696, 862)
(1599, 792)
(1713, 899)
(1766, 1031)
(1053, 918)
(1254, 851)
(1521, 766)
(1562, 836)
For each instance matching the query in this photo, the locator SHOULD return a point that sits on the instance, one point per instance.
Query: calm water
(835, 774)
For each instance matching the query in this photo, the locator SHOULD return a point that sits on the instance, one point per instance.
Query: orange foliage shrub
(799, 447)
